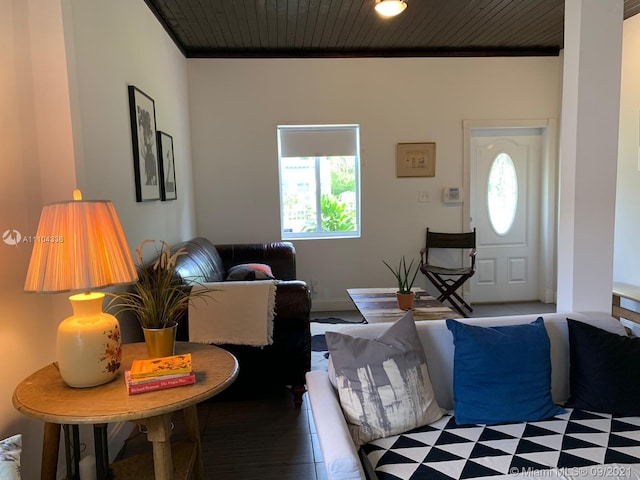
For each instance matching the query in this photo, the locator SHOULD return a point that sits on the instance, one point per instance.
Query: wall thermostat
(452, 195)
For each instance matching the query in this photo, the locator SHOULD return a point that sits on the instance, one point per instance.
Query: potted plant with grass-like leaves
(158, 299)
(405, 276)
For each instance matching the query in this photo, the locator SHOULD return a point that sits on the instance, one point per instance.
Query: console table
(45, 396)
(630, 292)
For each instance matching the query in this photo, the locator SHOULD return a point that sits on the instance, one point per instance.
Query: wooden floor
(270, 439)
(266, 439)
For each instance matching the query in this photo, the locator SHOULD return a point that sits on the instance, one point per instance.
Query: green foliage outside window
(335, 216)
(343, 177)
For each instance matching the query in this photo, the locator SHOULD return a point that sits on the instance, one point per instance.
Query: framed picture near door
(142, 111)
(416, 159)
(167, 167)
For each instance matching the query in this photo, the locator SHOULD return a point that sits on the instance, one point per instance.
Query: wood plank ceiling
(351, 28)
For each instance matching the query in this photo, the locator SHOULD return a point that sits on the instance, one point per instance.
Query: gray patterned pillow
(383, 384)
(10, 450)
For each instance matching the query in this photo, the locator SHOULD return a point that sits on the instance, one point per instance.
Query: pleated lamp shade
(80, 246)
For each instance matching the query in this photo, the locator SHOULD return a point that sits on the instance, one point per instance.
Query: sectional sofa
(573, 443)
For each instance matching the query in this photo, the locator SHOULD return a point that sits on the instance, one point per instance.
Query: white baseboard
(549, 296)
(331, 305)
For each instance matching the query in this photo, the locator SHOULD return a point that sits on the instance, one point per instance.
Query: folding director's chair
(449, 279)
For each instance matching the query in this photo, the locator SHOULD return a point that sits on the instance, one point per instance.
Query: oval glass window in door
(502, 194)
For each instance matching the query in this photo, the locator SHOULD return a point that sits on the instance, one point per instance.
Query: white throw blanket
(239, 313)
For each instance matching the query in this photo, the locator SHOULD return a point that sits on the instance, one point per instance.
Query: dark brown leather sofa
(286, 361)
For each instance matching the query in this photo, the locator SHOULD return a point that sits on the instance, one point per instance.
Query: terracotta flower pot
(405, 300)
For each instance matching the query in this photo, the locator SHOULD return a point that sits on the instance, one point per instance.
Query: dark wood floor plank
(263, 448)
(261, 472)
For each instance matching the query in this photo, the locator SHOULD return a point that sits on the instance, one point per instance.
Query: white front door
(505, 168)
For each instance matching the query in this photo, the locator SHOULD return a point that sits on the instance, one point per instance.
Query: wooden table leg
(193, 431)
(159, 433)
(50, 450)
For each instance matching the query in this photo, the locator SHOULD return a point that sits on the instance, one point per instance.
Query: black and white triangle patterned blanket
(575, 444)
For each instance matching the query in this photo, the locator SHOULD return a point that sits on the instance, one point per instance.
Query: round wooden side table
(45, 396)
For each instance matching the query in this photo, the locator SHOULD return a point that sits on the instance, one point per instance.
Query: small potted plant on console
(405, 276)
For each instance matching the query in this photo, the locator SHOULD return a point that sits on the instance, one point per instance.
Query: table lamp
(80, 247)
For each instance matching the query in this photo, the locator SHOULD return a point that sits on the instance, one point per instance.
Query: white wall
(235, 106)
(588, 152)
(64, 115)
(112, 45)
(38, 167)
(626, 265)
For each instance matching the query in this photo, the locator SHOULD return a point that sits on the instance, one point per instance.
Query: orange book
(158, 367)
(158, 383)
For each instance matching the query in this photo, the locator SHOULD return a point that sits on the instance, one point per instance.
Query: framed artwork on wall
(167, 167)
(416, 159)
(145, 149)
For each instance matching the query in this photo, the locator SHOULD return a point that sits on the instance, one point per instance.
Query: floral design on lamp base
(113, 349)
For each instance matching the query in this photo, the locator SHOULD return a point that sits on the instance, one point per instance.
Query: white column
(588, 153)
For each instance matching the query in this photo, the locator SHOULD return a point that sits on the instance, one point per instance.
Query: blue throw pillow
(501, 374)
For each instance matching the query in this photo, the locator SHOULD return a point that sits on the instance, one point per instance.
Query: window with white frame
(319, 181)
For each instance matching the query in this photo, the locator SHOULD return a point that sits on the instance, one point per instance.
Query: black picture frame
(168, 189)
(142, 111)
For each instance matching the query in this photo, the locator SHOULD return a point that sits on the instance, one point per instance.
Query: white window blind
(318, 141)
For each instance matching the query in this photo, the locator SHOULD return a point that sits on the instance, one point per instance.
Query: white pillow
(383, 384)
(10, 449)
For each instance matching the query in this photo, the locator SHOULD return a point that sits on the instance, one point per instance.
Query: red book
(158, 383)
(135, 381)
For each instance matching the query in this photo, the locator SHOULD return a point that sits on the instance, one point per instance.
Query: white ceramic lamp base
(89, 346)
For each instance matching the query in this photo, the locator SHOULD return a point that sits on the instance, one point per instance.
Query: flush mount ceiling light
(390, 8)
